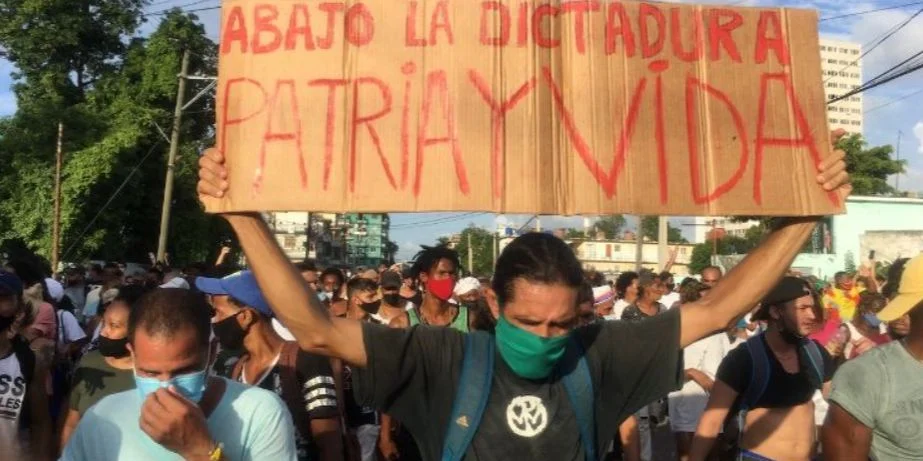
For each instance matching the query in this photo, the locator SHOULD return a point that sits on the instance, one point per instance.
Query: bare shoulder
(399, 321)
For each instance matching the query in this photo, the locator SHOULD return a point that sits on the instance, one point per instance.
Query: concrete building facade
(841, 67)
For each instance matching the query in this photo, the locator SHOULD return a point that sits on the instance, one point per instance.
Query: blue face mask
(872, 320)
(190, 385)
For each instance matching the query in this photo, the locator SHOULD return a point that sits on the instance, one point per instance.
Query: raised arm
(749, 281)
(293, 302)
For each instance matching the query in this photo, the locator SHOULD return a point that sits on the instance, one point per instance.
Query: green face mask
(529, 356)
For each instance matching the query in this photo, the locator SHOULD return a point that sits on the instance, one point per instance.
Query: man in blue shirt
(177, 411)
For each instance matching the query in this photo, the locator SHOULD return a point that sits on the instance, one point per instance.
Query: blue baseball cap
(10, 282)
(241, 286)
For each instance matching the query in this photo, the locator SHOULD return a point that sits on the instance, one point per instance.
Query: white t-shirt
(69, 330)
(13, 394)
(92, 302)
(618, 309)
(670, 299)
(688, 404)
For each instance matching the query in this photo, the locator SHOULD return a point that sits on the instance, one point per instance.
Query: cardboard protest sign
(521, 106)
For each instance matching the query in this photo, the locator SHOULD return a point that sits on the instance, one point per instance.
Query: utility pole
(495, 251)
(470, 254)
(714, 242)
(897, 177)
(171, 160)
(309, 235)
(663, 252)
(56, 223)
(639, 246)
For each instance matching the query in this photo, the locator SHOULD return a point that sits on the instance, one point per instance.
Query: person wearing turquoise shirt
(177, 411)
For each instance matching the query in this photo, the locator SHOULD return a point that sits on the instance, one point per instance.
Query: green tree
(109, 108)
(611, 225)
(849, 262)
(650, 226)
(869, 167)
(482, 252)
(728, 245)
(575, 234)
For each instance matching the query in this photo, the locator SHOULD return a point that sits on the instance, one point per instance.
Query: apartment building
(842, 72)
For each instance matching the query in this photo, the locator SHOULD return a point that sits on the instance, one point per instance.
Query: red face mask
(441, 289)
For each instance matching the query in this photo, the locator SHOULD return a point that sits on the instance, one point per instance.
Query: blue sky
(881, 125)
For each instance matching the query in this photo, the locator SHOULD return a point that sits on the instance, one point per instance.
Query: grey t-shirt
(883, 389)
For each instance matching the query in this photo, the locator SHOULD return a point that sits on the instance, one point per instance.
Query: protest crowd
(538, 360)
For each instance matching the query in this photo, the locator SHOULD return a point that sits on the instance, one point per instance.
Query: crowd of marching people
(541, 360)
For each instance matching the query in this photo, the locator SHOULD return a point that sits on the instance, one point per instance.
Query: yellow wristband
(216, 452)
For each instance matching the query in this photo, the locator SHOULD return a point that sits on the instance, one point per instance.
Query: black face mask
(7, 322)
(372, 307)
(392, 299)
(114, 348)
(229, 333)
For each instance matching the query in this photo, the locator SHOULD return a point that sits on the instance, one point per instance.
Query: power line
(876, 42)
(436, 221)
(883, 105)
(108, 202)
(876, 10)
(893, 73)
(194, 10)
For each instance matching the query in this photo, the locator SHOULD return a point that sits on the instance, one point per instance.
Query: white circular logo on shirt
(527, 416)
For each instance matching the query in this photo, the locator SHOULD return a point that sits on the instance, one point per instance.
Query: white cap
(176, 282)
(55, 289)
(602, 294)
(466, 285)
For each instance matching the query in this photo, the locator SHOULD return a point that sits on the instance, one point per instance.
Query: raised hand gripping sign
(521, 106)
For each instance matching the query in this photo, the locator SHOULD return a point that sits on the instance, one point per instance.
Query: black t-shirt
(412, 375)
(318, 395)
(784, 390)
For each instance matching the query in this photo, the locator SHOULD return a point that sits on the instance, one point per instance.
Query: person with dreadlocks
(436, 271)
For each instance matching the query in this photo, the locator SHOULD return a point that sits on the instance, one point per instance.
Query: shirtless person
(780, 423)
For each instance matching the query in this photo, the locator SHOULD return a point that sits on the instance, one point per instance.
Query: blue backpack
(810, 359)
(474, 390)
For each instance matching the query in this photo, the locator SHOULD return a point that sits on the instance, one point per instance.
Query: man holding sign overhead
(550, 391)
(531, 106)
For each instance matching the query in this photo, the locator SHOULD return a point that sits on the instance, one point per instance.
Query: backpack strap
(471, 397)
(579, 386)
(759, 379)
(813, 363)
(26, 358)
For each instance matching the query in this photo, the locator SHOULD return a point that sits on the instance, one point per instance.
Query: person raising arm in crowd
(415, 374)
